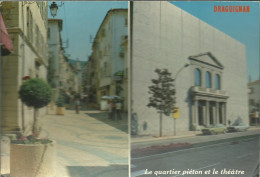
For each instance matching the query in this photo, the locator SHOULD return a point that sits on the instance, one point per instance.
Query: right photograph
(194, 89)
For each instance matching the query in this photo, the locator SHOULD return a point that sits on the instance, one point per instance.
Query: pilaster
(217, 112)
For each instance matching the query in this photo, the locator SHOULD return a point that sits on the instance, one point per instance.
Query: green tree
(35, 93)
(162, 94)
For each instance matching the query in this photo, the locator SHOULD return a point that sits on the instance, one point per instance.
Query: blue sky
(82, 20)
(244, 27)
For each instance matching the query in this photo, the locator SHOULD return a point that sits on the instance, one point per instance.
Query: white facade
(254, 101)
(254, 91)
(164, 36)
(27, 26)
(55, 53)
(106, 51)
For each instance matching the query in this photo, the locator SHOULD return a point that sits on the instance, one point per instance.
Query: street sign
(176, 113)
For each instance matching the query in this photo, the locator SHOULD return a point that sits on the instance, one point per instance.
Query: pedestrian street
(88, 144)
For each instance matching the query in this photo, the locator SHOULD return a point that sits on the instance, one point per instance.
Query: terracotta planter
(60, 110)
(32, 160)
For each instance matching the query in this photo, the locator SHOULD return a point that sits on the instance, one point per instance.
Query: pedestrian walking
(113, 110)
(109, 107)
(77, 105)
(118, 110)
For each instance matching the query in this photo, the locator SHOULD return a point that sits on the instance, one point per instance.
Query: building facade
(55, 54)
(91, 79)
(210, 90)
(26, 23)
(254, 102)
(108, 57)
(63, 75)
(125, 93)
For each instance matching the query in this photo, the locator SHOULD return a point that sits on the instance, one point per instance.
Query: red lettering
(219, 8)
(230, 8)
(215, 9)
(246, 9)
(240, 8)
(225, 8)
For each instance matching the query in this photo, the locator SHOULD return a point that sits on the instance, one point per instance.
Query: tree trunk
(36, 129)
(160, 124)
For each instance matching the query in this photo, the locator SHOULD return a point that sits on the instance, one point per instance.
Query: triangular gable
(207, 58)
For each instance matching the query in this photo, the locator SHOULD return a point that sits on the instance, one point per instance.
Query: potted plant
(29, 155)
(60, 105)
(67, 101)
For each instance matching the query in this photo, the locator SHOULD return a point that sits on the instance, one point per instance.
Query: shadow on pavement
(119, 124)
(98, 171)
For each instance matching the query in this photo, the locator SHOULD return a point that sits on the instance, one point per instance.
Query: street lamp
(54, 9)
(185, 66)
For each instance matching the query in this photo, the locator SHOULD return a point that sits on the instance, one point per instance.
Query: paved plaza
(88, 144)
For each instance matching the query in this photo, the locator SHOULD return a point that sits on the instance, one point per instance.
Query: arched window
(217, 82)
(197, 77)
(208, 80)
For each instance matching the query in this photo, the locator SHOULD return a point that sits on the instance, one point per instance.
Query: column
(217, 112)
(214, 114)
(207, 113)
(195, 115)
(224, 107)
(204, 112)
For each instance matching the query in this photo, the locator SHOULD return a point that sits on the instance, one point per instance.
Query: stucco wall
(20, 63)
(164, 36)
(107, 50)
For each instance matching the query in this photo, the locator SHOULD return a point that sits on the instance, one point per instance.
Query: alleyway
(88, 144)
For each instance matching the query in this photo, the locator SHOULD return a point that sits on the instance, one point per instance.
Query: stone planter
(60, 110)
(33, 160)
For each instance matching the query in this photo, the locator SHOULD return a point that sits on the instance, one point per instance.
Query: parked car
(238, 128)
(214, 129)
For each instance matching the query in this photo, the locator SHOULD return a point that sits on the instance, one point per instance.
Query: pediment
(207, 58)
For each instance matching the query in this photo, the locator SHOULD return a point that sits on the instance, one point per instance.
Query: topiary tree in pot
(31, 156)
(60, 105)
(35, 93)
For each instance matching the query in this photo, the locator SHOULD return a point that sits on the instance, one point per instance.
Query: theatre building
(212, 89)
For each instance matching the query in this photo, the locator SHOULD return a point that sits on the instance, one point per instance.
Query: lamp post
(185, 66)
(54, 9)
(174, 118)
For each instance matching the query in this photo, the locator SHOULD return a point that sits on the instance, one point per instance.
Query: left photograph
(64, 89)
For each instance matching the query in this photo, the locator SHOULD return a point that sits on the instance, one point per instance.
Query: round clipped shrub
(35, 93)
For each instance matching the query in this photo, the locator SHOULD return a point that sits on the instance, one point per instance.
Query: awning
(7, 46)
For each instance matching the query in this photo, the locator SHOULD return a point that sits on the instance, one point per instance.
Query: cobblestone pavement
(88, 144)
